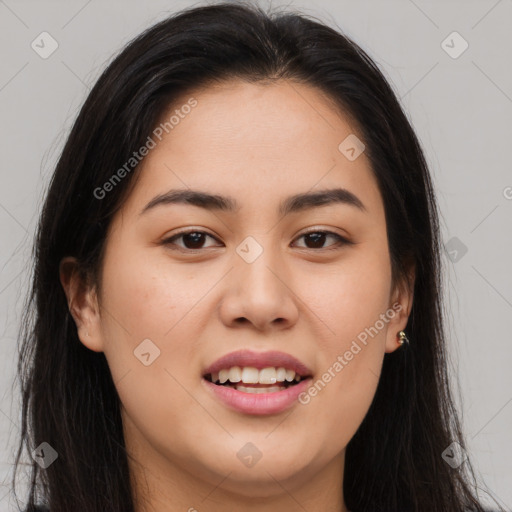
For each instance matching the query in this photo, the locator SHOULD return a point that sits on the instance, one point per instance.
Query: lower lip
(258, 403)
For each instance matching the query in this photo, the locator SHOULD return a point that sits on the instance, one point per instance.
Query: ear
(82, 302)
(401, 303)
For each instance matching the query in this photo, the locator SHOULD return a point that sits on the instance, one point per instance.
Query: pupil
(196, 240)
(316, 238)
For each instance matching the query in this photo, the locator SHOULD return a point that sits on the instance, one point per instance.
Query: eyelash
(341, 240)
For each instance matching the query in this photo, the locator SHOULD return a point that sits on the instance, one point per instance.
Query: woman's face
(249, 279)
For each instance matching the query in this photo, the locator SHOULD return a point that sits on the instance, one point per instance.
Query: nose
(260, 294)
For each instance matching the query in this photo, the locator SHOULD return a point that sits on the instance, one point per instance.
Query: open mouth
(252, 380)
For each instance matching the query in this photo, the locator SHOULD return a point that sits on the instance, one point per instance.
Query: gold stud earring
(402, 338)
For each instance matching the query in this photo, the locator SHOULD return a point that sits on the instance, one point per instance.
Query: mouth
(259, 375)
(256, 381)
(256, 398)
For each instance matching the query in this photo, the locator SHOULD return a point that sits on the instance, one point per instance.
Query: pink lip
(261, 403)
(259, 360)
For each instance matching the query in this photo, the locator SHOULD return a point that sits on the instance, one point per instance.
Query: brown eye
(191, 240)
(194, 240)
(317, 239)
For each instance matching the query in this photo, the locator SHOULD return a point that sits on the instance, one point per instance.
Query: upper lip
(259, 360)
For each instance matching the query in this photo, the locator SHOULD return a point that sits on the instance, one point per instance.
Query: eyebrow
(292, 204)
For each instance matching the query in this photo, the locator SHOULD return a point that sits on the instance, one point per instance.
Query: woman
(237, 286)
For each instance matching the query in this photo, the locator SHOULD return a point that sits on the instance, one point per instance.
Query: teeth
(250, 375)
(268, 376)
(290, 375)
(223, 376)
(235, 374)
(271, 389)
(281, 374)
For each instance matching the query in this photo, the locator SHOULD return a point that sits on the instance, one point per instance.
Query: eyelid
(319, 229)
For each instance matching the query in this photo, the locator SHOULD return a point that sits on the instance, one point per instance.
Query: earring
(402, 338)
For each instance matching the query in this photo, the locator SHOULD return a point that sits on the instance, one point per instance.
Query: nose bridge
(259, 266)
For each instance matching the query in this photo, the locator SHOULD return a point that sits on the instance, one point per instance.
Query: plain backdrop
(460, 103)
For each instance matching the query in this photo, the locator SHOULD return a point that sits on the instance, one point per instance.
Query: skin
(282, 139)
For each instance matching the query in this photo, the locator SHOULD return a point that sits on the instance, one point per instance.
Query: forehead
(254, 141)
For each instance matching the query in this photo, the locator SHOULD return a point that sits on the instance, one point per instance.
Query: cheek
(148, 293)
(147, 298)
(350, 304)
(350, 298)
(342, 391)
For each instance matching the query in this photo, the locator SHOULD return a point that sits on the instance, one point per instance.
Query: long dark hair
(394, 462)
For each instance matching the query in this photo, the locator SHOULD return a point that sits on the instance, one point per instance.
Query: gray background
(460, 107)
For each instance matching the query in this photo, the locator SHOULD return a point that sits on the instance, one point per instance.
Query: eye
(192, 239)
(195, 239)
(317, 238)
